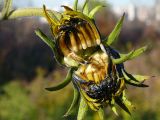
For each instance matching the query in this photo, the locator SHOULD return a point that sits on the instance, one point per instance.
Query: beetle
(96, 69)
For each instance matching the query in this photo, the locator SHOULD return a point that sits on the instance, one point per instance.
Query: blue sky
(56, 3)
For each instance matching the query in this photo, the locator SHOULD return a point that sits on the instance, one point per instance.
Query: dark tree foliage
(21, 51)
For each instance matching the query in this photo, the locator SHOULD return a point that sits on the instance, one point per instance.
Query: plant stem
(26, 12)
(6, 8)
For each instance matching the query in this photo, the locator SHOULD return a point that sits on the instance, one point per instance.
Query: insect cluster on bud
(96, 70)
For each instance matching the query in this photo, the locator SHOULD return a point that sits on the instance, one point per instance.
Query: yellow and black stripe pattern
(73, 32)
(97, 80)
(97, 70)
(76, 35)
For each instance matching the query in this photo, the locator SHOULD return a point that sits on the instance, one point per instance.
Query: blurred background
(27, 65)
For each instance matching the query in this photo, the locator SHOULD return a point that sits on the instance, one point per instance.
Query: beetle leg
(78, 58)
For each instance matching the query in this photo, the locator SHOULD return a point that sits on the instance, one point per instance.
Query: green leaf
(6, 8)
(64, 83)
(83, 108)
(136, 52)
(86, 10)
(85, 5)
(136, 78)
(94, 10)
(112, 105)
(141, 78)
(126, 101)
(101, 114)
(135, 84)
(130, 55)
(130, 79)
(50, 43)
(123, 58)
(122, 105)
(115, 33)
(75, 5)
(45, 39)
(74, 103)
(53, 21)
(128, 76)
(55, 15)
(114, 110)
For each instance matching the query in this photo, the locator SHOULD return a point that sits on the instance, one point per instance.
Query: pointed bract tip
(67, 8)
(44, 7)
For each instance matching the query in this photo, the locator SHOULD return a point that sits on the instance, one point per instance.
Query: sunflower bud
(96, 70)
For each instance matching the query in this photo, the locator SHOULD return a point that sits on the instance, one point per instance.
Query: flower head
(96, 70)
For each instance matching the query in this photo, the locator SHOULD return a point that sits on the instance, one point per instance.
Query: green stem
(25, 12)
(7, 13)
(6, 8)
